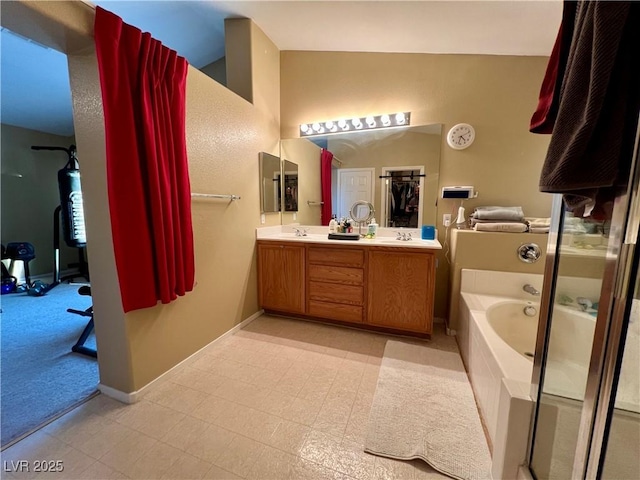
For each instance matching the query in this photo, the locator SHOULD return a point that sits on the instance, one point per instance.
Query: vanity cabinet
(388, 288)
(281, 277)
(401, 289)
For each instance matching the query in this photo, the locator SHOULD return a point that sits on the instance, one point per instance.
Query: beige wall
(224, 135)
(217, 70)
(489, 251)
(496, 94)
(307, 156)
(28, 201)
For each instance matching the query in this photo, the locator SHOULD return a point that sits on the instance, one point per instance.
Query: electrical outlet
(263, 218)
(295, 216)
(446, 219)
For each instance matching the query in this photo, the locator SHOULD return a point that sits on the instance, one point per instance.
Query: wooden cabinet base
(356, 325)
(388, 289)
(335, 311)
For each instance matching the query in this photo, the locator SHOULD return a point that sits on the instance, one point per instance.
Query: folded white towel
(498, 220)
(538, 222)
(499, 213)
(501, 227)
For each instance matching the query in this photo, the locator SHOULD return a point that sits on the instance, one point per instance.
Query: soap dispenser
(373, 228)
(333, 225)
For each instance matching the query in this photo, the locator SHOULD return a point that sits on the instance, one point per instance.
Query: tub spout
(531, 290)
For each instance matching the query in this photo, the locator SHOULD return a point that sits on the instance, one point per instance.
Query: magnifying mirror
(361, 212)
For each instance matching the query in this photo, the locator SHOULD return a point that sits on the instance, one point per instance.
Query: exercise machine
(70, 213)
(79, 346)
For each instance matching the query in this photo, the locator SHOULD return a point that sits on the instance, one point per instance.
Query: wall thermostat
(459, 192)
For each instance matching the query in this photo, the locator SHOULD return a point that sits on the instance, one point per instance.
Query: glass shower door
(622, 455)
(575, 293)
(586, 377)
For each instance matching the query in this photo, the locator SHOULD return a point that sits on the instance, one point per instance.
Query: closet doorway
(402, 202)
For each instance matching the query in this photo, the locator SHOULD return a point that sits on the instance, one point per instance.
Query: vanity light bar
(371, 122)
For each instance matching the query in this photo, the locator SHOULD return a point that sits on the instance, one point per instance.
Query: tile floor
(280, 399)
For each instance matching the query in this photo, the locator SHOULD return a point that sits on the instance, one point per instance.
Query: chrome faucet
(299, 233)
(531, 290)
(405, 237)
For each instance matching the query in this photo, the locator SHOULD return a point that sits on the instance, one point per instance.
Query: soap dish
(344, 236)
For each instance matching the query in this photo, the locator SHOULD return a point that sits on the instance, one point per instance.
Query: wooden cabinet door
(400, 289)
(281, 279)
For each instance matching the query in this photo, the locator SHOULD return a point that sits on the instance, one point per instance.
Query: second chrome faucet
(531, 290)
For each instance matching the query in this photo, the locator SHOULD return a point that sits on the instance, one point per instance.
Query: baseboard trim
(135, 396)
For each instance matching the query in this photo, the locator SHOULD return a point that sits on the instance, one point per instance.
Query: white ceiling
(35, 85)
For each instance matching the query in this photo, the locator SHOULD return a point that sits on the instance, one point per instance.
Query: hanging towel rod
(310, 203)
(214, 195)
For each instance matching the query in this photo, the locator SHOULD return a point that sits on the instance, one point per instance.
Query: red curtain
(325, 183)
(143, 93)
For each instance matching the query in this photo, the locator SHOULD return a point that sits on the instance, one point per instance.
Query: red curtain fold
(143, 92)
(325, 183)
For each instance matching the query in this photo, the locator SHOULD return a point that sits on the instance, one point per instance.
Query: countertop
(386, 237)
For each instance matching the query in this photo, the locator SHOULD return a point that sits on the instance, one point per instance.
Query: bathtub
(497, 342)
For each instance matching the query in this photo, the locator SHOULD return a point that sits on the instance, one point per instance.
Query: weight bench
(79, 346)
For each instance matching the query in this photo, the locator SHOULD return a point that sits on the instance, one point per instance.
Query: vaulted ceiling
(35, 86)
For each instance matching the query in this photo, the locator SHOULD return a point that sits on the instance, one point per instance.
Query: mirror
(361, 212)
(269, 183)
(360, 159)
(290, 186)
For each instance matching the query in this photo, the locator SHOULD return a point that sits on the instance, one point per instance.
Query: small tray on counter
(344, 236)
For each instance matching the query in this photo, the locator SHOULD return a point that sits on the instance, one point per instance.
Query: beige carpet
(424, 408)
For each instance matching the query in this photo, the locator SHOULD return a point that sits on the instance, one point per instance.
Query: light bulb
(386, 121)
(316, 126)
(370, 121)
(400, 119)
(304, 128)
(343, 124)
(334, 128)
(356, 123)
(328, 124)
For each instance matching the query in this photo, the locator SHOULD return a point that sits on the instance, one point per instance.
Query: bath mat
(424, 408)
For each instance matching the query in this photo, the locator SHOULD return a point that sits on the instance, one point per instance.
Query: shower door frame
(607, 348)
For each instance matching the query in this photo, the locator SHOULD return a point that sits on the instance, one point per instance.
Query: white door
(354, 184)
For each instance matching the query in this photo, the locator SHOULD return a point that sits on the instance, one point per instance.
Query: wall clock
(461, 136)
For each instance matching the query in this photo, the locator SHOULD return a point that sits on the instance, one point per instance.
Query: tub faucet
(531, 290)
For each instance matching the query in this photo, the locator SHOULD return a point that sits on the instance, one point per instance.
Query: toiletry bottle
(333, 225)
(373, 228)
(461, 221)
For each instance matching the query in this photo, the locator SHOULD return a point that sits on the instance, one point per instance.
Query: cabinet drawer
(335, 311)
(337, 293)
(333, 274)
(344, 257)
